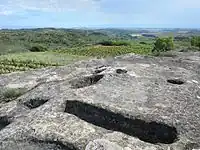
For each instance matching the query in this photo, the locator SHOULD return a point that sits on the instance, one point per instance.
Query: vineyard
(27, 61)
(105, 51)
(33, 60)
(7, 66)
(27, 49)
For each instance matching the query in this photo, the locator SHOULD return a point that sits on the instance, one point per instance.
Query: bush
(114, 43)
(163, 44)
(38, 49)
(195, 41)
(143, 42)
(11, 94)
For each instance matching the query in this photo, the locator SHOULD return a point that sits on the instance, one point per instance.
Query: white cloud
(7, 6)
(5, 13)
(49, 5)
(111, 11)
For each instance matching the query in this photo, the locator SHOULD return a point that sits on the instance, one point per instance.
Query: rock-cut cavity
(99, 70)
(4, 122)
(34, 103)
(121, 71)
(176, 81)
(151, 132)
(86, 81)
(35, 144)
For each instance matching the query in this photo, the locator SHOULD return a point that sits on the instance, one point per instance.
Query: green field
(65, 46)
(33, 60)
(106, 51)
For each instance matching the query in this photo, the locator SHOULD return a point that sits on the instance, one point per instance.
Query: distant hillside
(18, 40)
(51, 37)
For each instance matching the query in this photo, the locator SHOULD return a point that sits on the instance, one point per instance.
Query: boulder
(129, 102)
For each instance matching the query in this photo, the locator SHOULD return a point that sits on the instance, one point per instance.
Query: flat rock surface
(129, 102)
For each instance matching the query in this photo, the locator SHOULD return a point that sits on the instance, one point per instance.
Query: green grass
(6, 48)
(181, 44)
(23, 61)
(10, 94)
(33, 60)
(43, 57)
(69, 45)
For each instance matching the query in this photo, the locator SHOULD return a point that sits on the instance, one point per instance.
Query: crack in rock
(86, 81)
(176, 81)
(34, 103)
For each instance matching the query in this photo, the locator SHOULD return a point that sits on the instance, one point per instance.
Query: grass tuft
(10, 94)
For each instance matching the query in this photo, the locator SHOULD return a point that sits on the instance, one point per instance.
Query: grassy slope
(16, 40)
(26, 61)
(69, 46)
(32, 60)
(45, 57)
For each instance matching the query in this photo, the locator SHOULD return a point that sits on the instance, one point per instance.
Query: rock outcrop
(129, 102)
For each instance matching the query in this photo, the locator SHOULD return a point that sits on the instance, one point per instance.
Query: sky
(100, 13)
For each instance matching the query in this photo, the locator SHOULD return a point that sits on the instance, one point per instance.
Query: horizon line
(29, 27)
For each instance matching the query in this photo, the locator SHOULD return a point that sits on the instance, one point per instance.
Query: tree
(38, 49)
(195, 41)
(163, 44)
(115, 43)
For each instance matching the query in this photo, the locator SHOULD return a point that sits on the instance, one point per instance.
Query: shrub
(11, 94)
(143, 42)
(163, 45)
(165, 54)
(38, 49)
(195, 41)
(114, 43)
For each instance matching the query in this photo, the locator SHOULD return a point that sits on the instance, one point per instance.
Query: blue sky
(100, 13)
